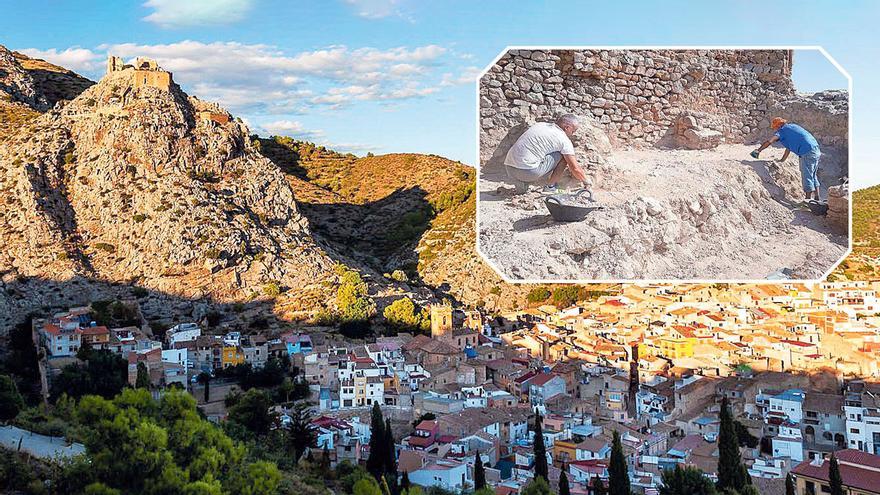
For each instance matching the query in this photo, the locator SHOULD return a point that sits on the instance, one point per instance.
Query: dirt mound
(669, 214)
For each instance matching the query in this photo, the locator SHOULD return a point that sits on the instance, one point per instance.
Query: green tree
(744, 437)
(100, 489)
(564, 489)
(479, 473)
(540, 450)
(84, 352)
(252, 411)
(537, 295)
(286, 388)
(538, 486)
(352, 300)
(104, 374)
(565, 296)
(835, 482)
(390, 463)
(618, 473)
(11, 401)
(204, 380)
(301, 431)
(404, 315)
(143, 376)
(136, 444)
(377, 458)
(599, 486)
(731, 471)
(367, 486)
(258, 478)
(686, 481)
(789, 485)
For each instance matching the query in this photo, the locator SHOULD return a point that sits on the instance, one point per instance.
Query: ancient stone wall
(637, 96)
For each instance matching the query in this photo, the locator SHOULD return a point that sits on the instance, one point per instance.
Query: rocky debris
(734, 219)
(838, 207)
(127, 182)
(635, 95)
(689, 134)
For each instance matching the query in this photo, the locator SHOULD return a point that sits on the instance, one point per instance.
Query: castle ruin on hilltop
(146, 72)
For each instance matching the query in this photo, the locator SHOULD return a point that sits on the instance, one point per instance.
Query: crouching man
(799, 141)
(543, 153)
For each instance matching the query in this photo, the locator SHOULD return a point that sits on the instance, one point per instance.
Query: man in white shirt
(543, 153)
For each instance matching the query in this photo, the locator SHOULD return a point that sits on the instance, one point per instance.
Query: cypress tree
(143, 376)
(540, 450)
(599, 486)
(618, 473)
(563, 484)
(789, 485)
(835, 482)
(390, 454)
(404, 482)
(377, 459)
(479, 473)
(390, 458)
(731, 471)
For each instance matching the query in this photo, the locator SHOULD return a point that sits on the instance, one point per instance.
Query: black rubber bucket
(563, 211)
(818, 208)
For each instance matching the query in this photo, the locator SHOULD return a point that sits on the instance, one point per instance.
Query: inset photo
(663, 164)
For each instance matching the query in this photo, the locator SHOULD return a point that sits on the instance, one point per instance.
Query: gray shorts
(542, 171)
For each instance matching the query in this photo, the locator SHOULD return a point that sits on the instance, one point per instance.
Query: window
(854, 431)
(811, 488)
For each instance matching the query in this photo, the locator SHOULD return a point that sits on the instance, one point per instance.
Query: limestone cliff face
(131, 182)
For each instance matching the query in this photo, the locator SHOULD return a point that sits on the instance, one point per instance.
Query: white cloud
(376, 9)
(262, 78)
(467, 76)
(291, 128)
(182, 13)
(77, 59)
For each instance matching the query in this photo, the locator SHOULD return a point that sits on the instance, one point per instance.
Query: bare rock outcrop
(133, 180)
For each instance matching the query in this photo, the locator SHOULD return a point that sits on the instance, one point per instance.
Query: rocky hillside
(135, 183)
(863, 262)
(398, 211)
(115, 185)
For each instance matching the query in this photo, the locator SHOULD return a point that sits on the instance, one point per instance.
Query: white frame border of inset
(478, 164)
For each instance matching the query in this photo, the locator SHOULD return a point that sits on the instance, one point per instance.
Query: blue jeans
(809, 168)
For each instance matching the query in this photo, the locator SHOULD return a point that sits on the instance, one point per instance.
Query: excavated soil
(669, 215)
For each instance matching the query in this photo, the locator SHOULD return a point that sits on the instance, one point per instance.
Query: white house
(182, 333)
(444, 473)
(177, 356)
(789, 442)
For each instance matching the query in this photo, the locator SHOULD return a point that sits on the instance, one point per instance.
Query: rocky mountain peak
(135, 180)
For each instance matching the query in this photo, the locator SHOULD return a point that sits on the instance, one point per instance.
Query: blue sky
(397, 75)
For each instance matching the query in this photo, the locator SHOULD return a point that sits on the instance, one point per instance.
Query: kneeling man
(543, 153)
(798, 140)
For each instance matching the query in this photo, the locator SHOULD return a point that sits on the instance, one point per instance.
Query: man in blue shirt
(798, 140)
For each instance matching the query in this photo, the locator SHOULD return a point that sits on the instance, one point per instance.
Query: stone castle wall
(643, 97)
